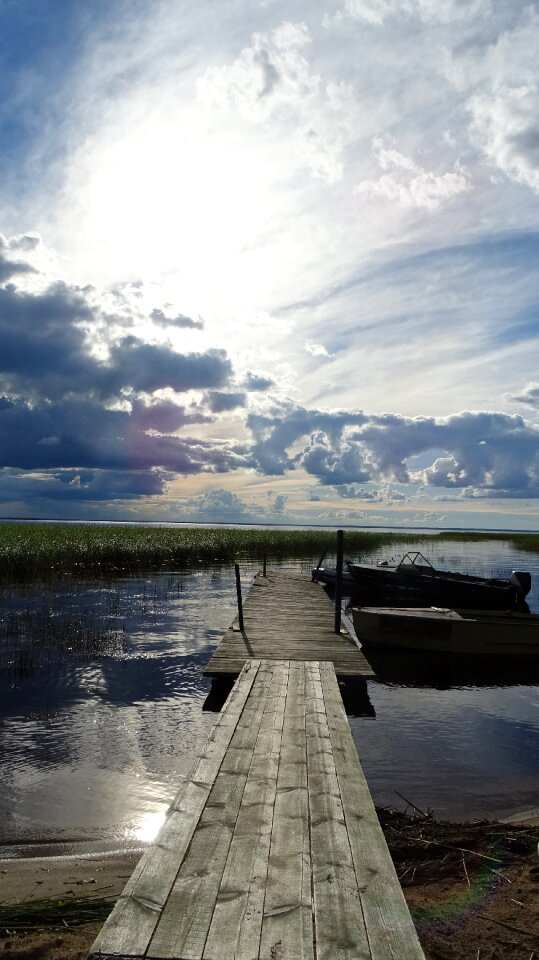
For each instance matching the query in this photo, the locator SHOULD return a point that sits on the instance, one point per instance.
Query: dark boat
(328, 576)
(414, 582)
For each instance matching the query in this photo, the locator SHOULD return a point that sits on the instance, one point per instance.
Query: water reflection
(441, 671)
(104, 707)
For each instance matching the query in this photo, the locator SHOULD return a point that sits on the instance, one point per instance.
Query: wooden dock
(287, 617)
(272, 849)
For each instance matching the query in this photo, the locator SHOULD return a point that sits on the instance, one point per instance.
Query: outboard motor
(522, 580)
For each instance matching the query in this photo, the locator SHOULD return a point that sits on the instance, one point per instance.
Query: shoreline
(471, 889)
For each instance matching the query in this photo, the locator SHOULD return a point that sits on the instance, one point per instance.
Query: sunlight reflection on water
(102, 695)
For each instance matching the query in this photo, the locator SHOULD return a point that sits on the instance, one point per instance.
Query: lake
(102, 707)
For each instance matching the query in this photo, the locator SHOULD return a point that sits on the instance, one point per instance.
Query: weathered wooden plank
(287, 925)
(237, 920)
(132, 922)
(186, 917)
(273, 849)
(391, 933)
(339, 923)
(288, 617)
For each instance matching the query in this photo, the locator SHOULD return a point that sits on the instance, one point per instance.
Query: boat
(328, 576)
(444, 630)
(415, 582)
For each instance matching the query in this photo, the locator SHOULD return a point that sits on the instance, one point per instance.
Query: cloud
(13, 245)
(180, 321)
(501, 85)
(334, 464)
(84, 434)
(318, 350)
(164, 416)
(76, 486)
(49, 340)
(530, 395)
(276, 433)
(220, 402)
(257, 381)
(375, 12)
(149, 367)
(488, 451)
(271, 82)
(410, 185)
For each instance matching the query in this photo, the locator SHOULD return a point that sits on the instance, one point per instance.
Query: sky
(270, 262)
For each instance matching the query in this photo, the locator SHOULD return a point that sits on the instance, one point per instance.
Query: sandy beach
(473, 890)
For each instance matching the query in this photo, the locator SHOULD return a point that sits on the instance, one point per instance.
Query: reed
(528, 542)
(31, 550)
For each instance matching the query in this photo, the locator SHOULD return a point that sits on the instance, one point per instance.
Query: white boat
(439, 629)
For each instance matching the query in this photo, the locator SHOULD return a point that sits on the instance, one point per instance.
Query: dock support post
(238, 593)
(338, 580)
(264, 564)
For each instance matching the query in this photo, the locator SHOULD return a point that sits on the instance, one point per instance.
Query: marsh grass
(28, 551)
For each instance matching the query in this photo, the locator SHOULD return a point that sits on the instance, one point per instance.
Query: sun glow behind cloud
(290, 212)
(169, 196)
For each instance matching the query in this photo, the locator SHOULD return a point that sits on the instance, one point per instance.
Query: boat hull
(416, 586)
(448, 631)
(328, 576)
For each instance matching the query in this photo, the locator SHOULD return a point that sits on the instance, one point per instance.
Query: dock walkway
(287, 617)
(272, 849)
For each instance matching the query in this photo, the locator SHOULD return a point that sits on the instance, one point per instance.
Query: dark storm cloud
(84, 417)
(81, 485)
(42, 348)
(66, 429)
(46, 352)
(164, 416)
(83, 434)
(148, 367)
(219, 402)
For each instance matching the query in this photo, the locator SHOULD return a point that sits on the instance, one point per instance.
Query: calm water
(102, 709)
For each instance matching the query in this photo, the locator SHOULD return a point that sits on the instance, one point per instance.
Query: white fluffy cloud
(500, 83)
(272, 82)
(408, 184)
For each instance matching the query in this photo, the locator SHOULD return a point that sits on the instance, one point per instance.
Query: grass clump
(65, 912)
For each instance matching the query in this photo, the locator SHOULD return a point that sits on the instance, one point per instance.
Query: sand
(473, 890)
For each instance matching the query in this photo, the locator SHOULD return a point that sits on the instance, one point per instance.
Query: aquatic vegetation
(31, 550)
(28, 550)
(528, 542)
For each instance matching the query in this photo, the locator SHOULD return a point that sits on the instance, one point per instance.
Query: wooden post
(264, 564)
(238, 592)
(338, 580)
